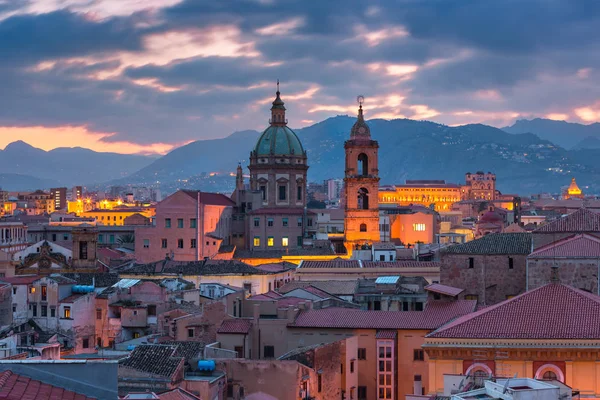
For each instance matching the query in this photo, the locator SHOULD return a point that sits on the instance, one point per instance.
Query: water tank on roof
(206, 365)
(131, 347)
(82, 289)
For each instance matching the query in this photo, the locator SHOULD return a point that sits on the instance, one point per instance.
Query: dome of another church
(491, 217)
(573, 188)
(278, 140)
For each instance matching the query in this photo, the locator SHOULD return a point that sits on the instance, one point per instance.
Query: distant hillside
(564, 134)
(16, 182)
(589, 142)
(409, 149)
(67, 166)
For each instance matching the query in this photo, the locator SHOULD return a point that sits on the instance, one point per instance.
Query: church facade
(271, 211)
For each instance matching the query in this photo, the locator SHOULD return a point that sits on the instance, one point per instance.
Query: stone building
(361, 186)
(490, 269)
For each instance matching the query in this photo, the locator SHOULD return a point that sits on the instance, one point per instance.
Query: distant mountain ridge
(564, 134)
(63, 166)
(409, 149)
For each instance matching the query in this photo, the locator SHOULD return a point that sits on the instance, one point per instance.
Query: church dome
(491, 217)
(280, 141)
(573, 188)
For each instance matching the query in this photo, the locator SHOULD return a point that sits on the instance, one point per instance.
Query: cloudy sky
(143, 76)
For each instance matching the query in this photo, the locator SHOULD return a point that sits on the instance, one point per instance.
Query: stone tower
(361, 185)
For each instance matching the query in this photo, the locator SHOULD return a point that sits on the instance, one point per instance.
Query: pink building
(189, 226)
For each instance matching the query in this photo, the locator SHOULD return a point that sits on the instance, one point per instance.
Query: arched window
(550, 371)
(363, 227)
(363, 199)
(363, 164)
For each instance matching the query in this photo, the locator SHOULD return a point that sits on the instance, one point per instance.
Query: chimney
(554, 274)
(417, 386)
(302, 306)
(291, 314)
(256, 312)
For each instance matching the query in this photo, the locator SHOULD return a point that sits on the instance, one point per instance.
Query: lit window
(284, 241)
(419, 227)
(270, 241)
(256, 241)
(67, 312)
(32, 289)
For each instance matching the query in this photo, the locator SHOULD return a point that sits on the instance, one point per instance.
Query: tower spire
(239, 177)
(278, 109)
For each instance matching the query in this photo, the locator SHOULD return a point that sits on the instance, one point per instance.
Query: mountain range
(525, 162)
(24, 167)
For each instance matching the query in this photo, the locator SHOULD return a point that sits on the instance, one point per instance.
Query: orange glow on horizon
(49, 138)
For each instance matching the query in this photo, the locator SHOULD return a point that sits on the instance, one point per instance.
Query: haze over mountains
(524, 162)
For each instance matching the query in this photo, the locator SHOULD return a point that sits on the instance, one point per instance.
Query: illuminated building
(573, 191)
(442, 195)
(38, 202)
(59, 195)
(361, 185)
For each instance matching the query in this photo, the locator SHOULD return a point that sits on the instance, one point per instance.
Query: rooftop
(214, 199)
(577, 246)
(443, 289)
(495, 243)
(338, 288)
(20, 387)
(435, 315)
(553, 311)
(205, 268)
(157, 359)
(235, 326)
(582, 220)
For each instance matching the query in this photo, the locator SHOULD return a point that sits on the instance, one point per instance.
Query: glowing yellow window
(284, 242)
(419, 227)
(256, 241)
(67, 312)
(270, 241)
(32, 289)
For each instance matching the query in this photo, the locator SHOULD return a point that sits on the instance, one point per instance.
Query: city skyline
(146, 77)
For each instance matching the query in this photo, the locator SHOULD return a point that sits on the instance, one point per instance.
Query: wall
(205, 325)
(292, 231)
(6, 302)
(407, 367)
(490, 279)
(403, 227)
(83, 313)
(582, 273)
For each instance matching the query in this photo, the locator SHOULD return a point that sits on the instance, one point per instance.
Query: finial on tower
(277, 85)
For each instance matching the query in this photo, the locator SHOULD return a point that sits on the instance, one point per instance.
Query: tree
(128, 238)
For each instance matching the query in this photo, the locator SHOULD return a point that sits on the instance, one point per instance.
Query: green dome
(278, 140)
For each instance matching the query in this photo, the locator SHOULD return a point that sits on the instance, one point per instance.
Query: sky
(145, 76)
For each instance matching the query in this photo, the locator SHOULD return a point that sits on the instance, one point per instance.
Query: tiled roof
(19, 387)
(187, 350)
(99, 279)
(578, 246)
(582, 220)
(314, 251)
(495, 243)
(72, 298)
(443, 289)
(435, 315)
(266, 296)
(339, 263)
(21, 280)
(401, 264)
(553, 311)
(209, 267)
(177, 394)
(278, 267)
(384, 246)
(318, 292)
(157, 359)
(214, 199)
(61, 280)
(237, 325)
(338, 288)
(386, 334)
(288, 301)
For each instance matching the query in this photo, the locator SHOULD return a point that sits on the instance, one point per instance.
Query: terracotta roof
(401, 264)
(99, 279)
(288, 301)
(237, 325)
(386, 334)
(578, 246)
(19, 387)
(61, 280)
(21, 280)
(278, 254)
(338, 288)
(513, 228)
(331, 264)
(271, 295)
(276, 267)
(435, 315)
(213, 199)
(317, 292)
(177, 394)
(157, 359)
(209, 267)
(582, 220)
(495, 243)
(553, 311)
(443, 289)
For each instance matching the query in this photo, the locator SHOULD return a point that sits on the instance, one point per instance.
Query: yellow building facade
(115, 216)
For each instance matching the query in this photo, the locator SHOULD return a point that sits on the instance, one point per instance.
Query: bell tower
(361, 185)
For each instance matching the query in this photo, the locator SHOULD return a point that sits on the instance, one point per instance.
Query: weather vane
(360, 99)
